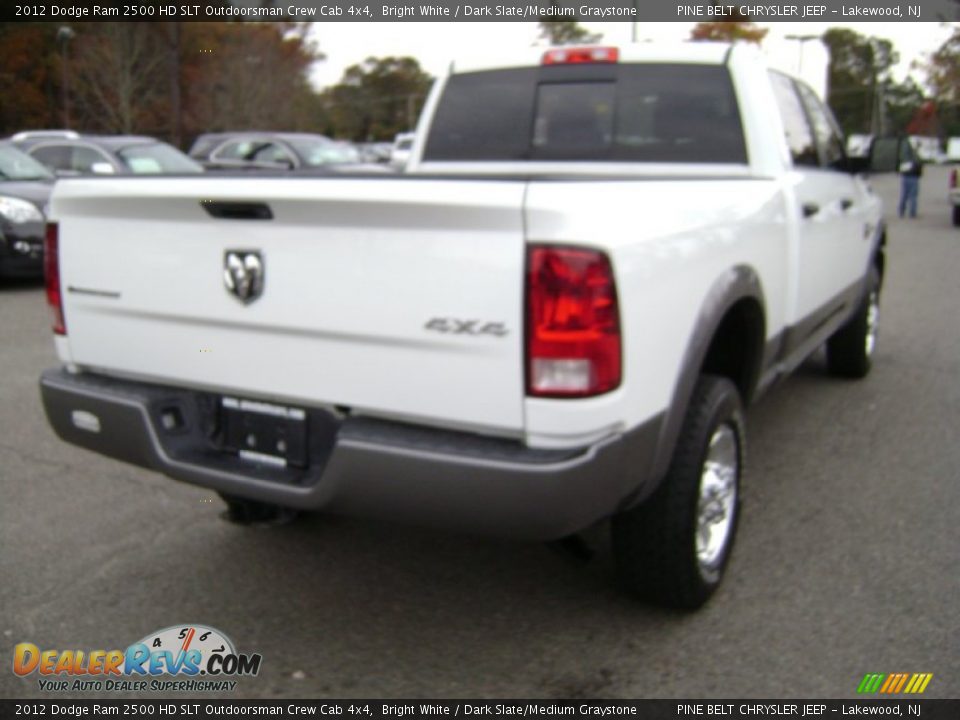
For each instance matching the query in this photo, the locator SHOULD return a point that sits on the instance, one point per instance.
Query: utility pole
(64, 35)
(875, 103)
(803, 40)
(411, 106)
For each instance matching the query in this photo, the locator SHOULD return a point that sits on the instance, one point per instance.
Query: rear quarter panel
(670, 241)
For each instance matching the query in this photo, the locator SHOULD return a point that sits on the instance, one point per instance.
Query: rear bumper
(360, 466)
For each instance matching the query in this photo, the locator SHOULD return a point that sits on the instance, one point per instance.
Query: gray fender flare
(736, 284)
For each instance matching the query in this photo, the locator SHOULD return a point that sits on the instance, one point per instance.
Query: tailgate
(396, 296)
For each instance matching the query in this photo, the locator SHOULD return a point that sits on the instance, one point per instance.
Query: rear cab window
(640, 112)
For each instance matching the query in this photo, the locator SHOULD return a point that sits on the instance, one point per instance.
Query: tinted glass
(574, 118)
(254, 151)
(316, 152)
(800, 140)
(629, 113)
(55, 157)
(484, 116)
(157, 158)
(825, 130)
(84, 158)
(17, 165)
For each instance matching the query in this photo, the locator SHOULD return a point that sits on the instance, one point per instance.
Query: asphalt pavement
(847, 563)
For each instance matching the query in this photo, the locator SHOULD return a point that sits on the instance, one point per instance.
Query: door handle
(226, 210)
(846, 204)
(810, 209)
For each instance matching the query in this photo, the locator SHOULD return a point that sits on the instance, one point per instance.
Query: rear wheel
(850, 349)
(674, 548)
(241, 511)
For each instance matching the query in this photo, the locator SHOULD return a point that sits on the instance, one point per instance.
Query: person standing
(910, 171)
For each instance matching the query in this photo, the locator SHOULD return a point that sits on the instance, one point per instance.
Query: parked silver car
(274, 151)
(68, 153)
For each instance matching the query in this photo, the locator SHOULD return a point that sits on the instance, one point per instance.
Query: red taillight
(576, 56)
(953, 179)
(573, 326)
(51, 274)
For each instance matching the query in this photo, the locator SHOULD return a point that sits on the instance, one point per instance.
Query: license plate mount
(255, 429)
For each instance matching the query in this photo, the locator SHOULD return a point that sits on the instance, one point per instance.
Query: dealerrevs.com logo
(186, 658)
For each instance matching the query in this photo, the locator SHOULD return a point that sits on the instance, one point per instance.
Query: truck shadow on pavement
(397, 609)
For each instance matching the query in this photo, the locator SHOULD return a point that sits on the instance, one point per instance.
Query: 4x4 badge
(243, 274)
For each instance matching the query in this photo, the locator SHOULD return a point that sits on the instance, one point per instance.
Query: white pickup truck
(598, 257)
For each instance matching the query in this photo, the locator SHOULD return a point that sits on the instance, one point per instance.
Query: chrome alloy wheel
(873, 322)
(718, 497)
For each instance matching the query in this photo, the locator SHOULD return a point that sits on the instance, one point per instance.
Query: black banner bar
(482, 10)
(377, 709)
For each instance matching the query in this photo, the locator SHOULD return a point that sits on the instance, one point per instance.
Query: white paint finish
(832, 247)
(353, 272)
(356, 267)
(767, 150)
(583, 169)
(669, 241)
(62, 345)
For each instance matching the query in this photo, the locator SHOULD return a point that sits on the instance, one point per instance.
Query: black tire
(850, 349)
(956, 215)
(655, 545)
(241, 511)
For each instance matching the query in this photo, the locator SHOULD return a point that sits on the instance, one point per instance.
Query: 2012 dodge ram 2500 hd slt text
(597, 258)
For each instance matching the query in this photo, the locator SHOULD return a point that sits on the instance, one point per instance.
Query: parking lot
(847, 561)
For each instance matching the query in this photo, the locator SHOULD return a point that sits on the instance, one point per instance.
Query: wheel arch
(727, 339)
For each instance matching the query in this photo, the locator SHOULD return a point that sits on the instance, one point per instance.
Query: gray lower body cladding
(360, 466)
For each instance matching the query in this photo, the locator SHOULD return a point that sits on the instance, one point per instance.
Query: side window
(253, 151)
(800, 137)
(275, 153)
(829, 138)
(55, 157)
(229, 151)
(83, 159)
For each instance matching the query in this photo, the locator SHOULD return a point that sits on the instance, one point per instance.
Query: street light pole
(64, 35)
(803, 40)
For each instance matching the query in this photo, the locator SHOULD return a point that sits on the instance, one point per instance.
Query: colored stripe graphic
(900, 683)
(918, 683)
(890, 682)
(894, 683)
(870, 683)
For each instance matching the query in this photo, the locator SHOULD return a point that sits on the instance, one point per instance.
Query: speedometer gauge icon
(181, 639)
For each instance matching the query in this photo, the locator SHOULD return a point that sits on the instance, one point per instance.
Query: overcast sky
(435, 43)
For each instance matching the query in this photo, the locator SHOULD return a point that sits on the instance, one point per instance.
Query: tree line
(861, 90)
(176, 80)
